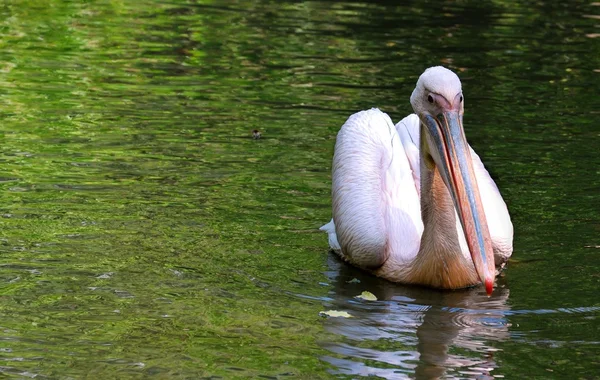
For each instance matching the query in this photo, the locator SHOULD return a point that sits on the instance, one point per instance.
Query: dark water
(144, 233)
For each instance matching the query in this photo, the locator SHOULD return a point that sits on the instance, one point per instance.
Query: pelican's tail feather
(330, 229)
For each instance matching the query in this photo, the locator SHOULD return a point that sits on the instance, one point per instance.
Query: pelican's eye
(430, 98)
(460, 99)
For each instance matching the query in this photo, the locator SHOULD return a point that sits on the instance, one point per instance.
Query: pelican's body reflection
(412, 331)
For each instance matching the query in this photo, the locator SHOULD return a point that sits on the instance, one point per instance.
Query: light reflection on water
(145, 233)
(417, 332)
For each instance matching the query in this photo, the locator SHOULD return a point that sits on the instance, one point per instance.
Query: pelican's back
(376, 210)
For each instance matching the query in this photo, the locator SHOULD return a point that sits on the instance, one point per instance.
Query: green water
(145, 234)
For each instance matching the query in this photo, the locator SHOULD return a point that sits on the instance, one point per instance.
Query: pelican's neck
(440, 261)
(438, 214)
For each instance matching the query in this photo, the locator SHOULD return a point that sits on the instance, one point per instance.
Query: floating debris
(335, 314)
(367, 296)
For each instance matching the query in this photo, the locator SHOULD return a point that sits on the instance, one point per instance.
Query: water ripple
(417, 331)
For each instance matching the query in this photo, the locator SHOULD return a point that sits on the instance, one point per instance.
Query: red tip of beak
(489, 286)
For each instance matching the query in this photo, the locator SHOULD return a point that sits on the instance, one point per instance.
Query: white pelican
(413, 203)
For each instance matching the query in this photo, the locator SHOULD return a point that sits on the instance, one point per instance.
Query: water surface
(144, 233)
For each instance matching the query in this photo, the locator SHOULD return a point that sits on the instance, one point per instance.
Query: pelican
(412, 202)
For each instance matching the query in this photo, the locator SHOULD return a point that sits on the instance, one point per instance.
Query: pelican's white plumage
(378, 221)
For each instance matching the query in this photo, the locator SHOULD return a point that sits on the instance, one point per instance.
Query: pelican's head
(438, 101)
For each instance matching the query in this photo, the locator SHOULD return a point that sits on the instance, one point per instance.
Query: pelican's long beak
(456, 167)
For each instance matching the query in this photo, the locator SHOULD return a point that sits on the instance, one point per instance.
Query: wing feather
(375, 201)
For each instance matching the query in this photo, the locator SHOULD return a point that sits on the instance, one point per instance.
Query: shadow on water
(413, 331)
